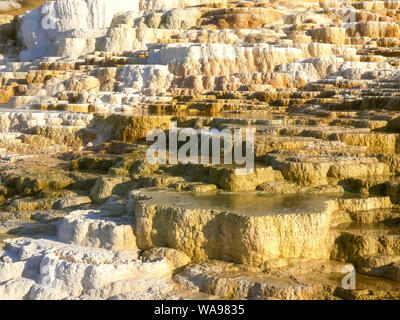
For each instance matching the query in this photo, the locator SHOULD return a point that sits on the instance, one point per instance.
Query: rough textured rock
(68, 271)
(262, 237)
(65, 16)
(90, 229)
(107, 186)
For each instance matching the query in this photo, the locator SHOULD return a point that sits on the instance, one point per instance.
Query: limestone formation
(86, 214)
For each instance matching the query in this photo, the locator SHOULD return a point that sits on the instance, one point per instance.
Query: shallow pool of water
(254, 204)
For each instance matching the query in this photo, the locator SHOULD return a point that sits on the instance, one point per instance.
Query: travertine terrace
(85, 216)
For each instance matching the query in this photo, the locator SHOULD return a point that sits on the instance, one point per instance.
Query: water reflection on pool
(253, 204)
